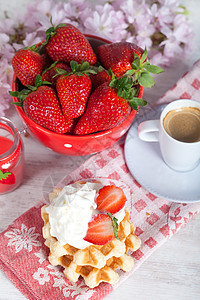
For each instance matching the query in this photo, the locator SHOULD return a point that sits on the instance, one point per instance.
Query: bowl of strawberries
(78, 94)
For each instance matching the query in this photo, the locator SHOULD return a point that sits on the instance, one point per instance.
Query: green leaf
(61, 25)
(25, 92)
(146, 80)
(139, 101)
(114, 224)
(50, 30)
(100, 69)
(46, 82)
(20, 104)
(144, 55)
(73, 65)
(136, 64)
(134, 105)
(153, 69)
(60, 71)
(14, 93)
(38, 80)
(30, 87)
(50, 67)
(130, 72)
(85, 66)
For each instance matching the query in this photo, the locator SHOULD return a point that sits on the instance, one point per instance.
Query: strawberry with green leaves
(66, 43)
(126, 58)
(118, 56)
(102, 229)
(40, 104)
(27, 64)
(7, 177)
(73, 89)
(108, 106)
(112, 101)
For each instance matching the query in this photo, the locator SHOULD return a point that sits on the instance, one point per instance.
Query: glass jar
(11, 157)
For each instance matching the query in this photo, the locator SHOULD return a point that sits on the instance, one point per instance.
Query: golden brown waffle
(95, 263)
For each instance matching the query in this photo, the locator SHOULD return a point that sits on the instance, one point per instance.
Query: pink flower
(76, 12)
(176, 37)
(106, 22)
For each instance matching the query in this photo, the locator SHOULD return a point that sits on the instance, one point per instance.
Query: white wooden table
(173, 271)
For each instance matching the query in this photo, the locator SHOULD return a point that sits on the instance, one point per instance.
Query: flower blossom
(107, 23)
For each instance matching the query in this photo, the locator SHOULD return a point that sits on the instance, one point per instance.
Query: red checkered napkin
(23, 256)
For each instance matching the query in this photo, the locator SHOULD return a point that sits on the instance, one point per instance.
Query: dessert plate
(147, 166)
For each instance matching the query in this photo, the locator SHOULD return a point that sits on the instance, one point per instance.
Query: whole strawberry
(108, 106)
(73, 89)
(66, 43)
(27, 64)
(118, 56)
(50, 72)
(41, 105)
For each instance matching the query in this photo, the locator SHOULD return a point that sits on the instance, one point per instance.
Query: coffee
(183, 124)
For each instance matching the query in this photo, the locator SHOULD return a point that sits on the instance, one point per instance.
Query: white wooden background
(173, 271)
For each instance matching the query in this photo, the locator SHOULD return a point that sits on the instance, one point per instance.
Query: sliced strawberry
(7, 177)
(110, 199)
(100, 230)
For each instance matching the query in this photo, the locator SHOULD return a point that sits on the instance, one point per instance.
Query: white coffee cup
(179, 155)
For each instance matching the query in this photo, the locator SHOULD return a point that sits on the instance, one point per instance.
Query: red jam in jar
(11, 157)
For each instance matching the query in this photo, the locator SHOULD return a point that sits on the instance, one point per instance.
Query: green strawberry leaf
(138, 101)
(131, 72)
(38, 81)
(50, 30)
(134, 105)
(60, 25)
(14, 93)
(146, 80)
(144, 55)
(136, 64)
(60, 72)
(153, 69)
(73, 65)
(85, 66)
(32, 88)
(50, 67)
(20, 104)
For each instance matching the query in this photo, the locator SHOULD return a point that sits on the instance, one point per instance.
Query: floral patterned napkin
(23, 256)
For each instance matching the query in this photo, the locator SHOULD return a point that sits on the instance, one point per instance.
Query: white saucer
(146, 165)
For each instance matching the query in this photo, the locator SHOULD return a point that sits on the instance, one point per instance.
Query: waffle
(95, 263)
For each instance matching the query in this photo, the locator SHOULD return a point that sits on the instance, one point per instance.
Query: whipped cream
(72, 210)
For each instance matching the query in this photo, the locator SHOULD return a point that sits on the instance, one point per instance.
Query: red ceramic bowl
(72, 144)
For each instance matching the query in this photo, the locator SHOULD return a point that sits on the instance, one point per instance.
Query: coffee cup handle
(148, 131)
